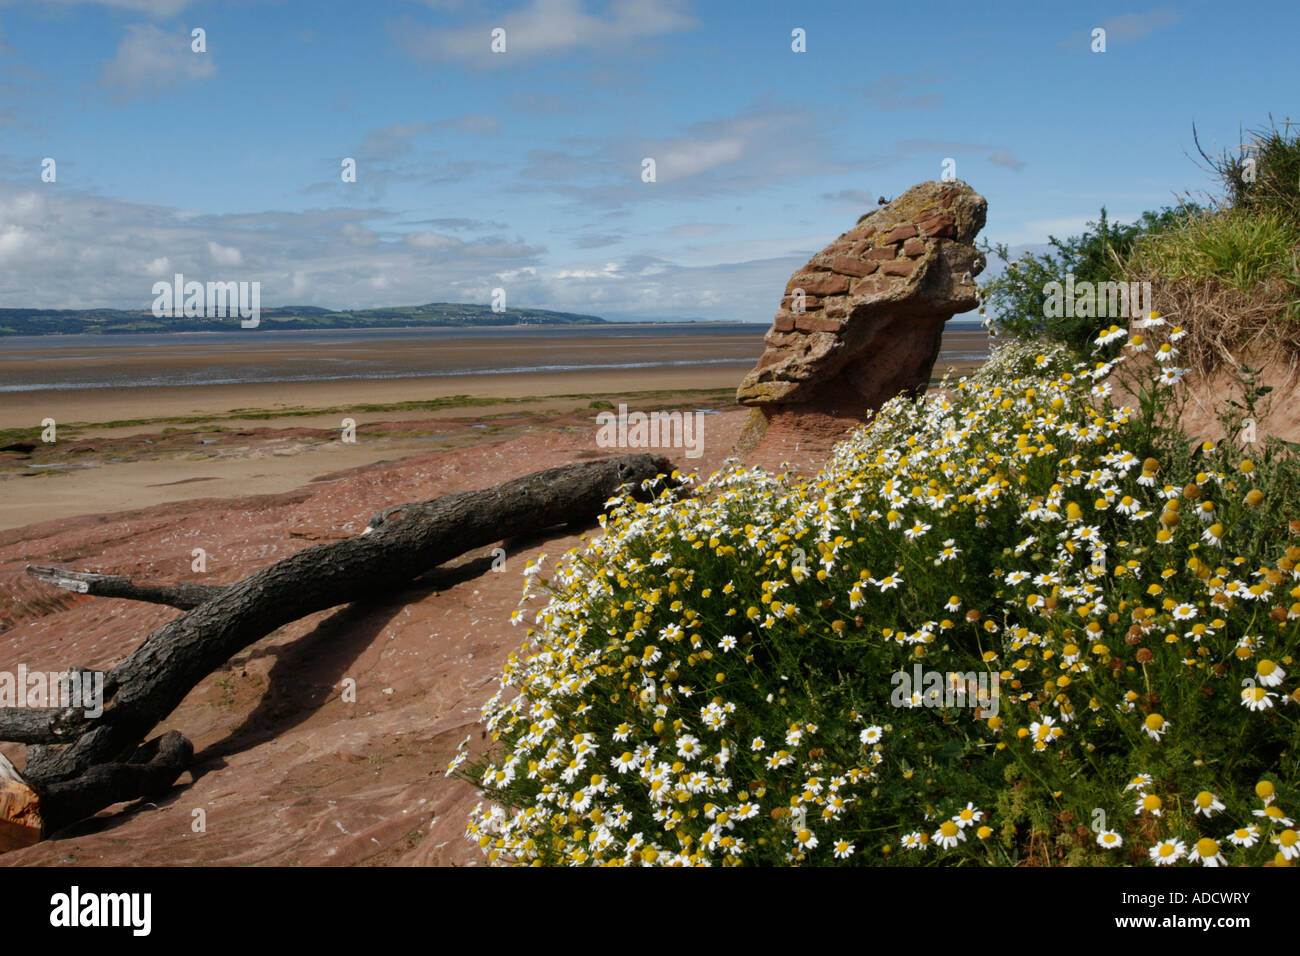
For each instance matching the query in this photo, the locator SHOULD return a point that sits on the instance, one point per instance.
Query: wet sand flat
(717, 361)
(134, 447)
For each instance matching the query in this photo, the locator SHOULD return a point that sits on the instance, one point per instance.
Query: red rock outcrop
(862, 321)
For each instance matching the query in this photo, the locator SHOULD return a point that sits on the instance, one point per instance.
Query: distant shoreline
(540, 326)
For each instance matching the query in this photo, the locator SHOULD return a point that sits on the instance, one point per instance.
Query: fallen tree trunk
(400, 544)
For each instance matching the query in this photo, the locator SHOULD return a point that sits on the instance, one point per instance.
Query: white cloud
(152, 58)
(899, 93)
(26, 205)
(1037, 230)
(389, 142)
(549, 27)
(686, 158)
(856, 197)
(359, 235)
(431, 240)
(765, 143)
(224, 255)
(1127, 28)
(1134, 26)
(610, 271)
(13, 239)
(71, 249)
(1003, 158)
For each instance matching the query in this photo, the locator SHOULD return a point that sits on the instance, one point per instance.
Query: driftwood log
(77, 765)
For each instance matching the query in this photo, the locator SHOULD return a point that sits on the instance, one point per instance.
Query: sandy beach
(134, 446)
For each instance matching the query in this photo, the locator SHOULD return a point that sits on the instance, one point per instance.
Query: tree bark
(400, 543)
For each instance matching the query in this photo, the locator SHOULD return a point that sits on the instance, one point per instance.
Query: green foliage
(1015, 302)
(1241, 247)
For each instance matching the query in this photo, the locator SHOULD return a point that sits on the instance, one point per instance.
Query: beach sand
(127, 448)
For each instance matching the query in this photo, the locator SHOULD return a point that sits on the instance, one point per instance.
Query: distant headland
(434, 314)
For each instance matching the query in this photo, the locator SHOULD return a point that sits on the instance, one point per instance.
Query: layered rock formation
(862, 320)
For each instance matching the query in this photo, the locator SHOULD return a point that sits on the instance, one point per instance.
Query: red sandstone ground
(285, 771)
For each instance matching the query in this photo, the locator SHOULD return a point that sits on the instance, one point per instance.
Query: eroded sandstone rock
(862, 321)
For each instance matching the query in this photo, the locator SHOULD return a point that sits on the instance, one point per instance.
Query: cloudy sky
(523, 169)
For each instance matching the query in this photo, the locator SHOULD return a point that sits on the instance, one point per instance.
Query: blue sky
(522, 169)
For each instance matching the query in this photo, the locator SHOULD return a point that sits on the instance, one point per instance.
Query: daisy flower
(913, 841)
(625, 762)
(1288, 843)
(1207, 803)
(1112, 334)
(688, 747)
(1270, 675)
(1207, 852)
(1109, 840)
(871, 735)
(843, 850)
(1140, 782)
(806, 839)
(1150, 803)
(968, 816)
(1167, 852)
(888, 583)
(948, 835)
(1155, 725)
(1245, 836)
(1275, 814)
(1043, 732)
(1257, 698)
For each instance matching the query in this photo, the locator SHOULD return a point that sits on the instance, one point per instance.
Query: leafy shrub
(716, 678)
(1014, 302)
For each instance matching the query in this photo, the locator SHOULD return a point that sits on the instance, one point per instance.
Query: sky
(524, 168)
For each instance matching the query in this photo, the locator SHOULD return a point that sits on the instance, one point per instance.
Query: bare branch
(183, 596)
